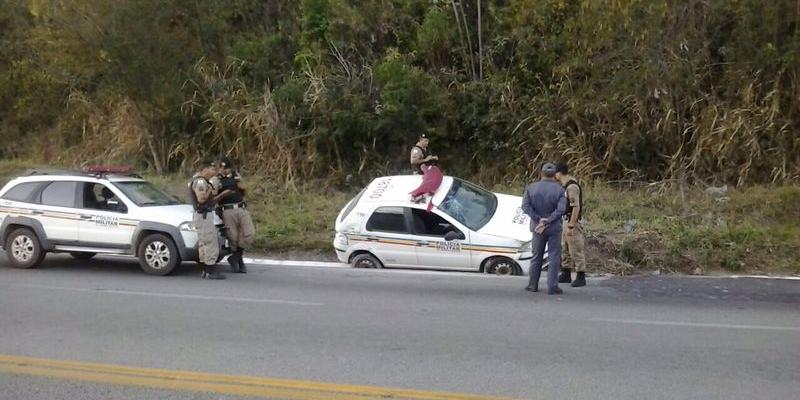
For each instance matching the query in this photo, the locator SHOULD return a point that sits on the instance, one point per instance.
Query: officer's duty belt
(233, 206)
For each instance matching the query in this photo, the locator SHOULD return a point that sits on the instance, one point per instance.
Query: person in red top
(431, 179)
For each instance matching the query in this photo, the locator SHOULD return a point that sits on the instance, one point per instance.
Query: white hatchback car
(85, 214)
(470, 228)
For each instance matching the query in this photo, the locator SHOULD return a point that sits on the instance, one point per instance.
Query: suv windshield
(469, 204)
(144, 194)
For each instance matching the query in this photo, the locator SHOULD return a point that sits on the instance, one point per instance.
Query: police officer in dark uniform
(544, 201)
(420, 154)
(238, 224)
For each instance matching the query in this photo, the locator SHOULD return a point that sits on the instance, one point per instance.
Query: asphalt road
(623, 338)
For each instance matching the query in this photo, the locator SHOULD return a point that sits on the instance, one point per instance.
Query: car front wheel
(23, 249)
(365, 260)
(158, 254)
(503, 266)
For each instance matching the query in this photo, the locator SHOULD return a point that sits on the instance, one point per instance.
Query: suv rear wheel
(23, 248)
(158, 254)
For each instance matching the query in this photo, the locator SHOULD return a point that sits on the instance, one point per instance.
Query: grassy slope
(756, 230)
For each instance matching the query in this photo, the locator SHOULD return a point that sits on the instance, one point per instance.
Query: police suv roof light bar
(103, 170)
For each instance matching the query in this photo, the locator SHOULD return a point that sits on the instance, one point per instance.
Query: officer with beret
(238, 224)
(420, 154)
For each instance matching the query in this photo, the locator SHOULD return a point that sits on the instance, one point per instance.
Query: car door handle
(37, 212)
(86, 216)
(423, 243)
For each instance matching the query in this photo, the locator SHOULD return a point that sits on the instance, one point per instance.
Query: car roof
(396, 189)
(75, 176)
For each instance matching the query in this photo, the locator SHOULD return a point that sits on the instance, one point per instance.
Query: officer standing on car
(203, 197)
(238, 224)
(420, 154)
(572, 237)
(544, 202)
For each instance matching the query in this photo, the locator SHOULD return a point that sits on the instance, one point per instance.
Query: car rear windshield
(351, 205)
(469, 204)
(144, 194)
(23, 192)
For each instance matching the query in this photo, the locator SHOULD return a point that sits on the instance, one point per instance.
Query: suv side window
(429, 224)
(24, 192)
(60, 194)
(388, 219)
(97, 196)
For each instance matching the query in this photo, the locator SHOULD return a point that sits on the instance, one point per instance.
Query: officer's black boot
(240, 257)
(209, 272)
(580, 280)
(566, 276)
(234, 262)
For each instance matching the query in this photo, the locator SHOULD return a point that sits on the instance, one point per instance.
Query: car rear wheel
(82, 255)
(365, 260)
(158, 254)
(23, 248)
(503, 266)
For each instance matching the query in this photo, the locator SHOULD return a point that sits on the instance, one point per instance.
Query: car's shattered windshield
(469, 204)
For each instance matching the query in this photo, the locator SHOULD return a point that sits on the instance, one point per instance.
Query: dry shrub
(239, 123)
(115, 130)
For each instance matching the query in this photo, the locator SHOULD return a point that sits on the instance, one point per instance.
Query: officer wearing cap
(572, 238)
(204, 197)
(420, 154)
(544, 202)
(238, 225)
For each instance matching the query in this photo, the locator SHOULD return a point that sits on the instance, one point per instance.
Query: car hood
(508, 220)
(171, 215)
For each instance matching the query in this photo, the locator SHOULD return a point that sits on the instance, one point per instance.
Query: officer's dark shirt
(544, 199)
(231, 182)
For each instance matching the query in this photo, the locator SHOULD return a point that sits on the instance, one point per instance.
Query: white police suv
(95, 212)
(469, 228)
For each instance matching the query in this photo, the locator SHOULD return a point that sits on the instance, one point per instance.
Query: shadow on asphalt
(114, 265)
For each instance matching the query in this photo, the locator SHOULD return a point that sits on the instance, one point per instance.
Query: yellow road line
(272, 388)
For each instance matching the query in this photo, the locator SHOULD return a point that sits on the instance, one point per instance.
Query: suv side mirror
(453, 235)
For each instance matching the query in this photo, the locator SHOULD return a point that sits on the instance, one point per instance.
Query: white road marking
(169, 295)
(292, 263)
(697, 324)
(790, 278)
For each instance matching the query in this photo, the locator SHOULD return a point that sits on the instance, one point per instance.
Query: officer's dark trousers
(552, 238)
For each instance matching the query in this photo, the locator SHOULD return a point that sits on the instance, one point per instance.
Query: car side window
(97, 196)
(24, 192)
(429, 224)
(388, 219)
(60, 194)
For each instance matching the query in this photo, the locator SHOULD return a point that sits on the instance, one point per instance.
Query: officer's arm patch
(573, 195)
(416, 154)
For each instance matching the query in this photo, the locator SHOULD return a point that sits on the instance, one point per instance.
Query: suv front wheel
(158, 254)
(23, 248)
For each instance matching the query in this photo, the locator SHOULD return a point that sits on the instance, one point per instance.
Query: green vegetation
(321, 96)
(701, 90)
(678, 229)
